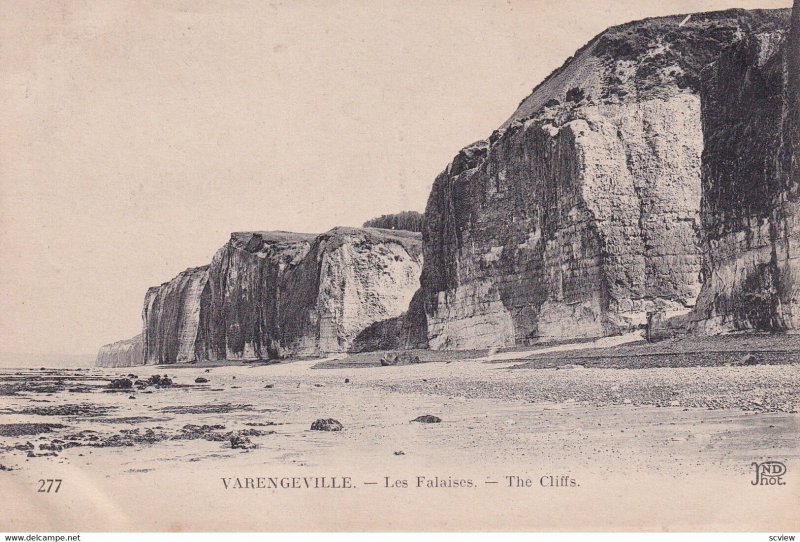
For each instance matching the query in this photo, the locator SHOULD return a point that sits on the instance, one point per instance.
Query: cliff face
(350, 279)
(121, 353)
(581, 213)
(171, 317)
(587, 210)
(751, 225)
(789, 170)
(246, 287)
(273, 294)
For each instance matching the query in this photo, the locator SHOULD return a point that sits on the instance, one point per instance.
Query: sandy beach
(543, 439)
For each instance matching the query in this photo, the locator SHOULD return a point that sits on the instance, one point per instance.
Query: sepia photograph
(437, 266)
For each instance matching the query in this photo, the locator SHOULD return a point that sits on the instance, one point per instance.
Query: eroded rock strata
(274, 294)
(751, 224)
(171, 318)
(349, 280)
(581, 213)
(245, 291)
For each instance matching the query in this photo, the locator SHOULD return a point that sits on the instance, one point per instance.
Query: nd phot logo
(769, 473)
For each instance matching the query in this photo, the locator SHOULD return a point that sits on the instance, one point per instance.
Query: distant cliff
(121, 353)
(751, 175)
(581, 214)
(275, 294)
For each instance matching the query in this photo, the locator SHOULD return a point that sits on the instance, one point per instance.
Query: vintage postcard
(435, 266)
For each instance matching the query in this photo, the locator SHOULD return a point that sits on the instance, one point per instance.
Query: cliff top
(121, 342)
(334, 238)
(377, 234)
(185, 272)
(279, 243)
(648, 58)
(272, 236)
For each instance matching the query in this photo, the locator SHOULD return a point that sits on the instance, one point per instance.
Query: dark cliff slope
(247, 280)
(581, 213)
(751, 226)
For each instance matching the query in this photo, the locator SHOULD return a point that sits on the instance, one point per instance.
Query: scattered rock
(241, 443)
(121, 384)
(82, 410)
(269, 386)
(328, 424)
(346, 380)
(215, 408)
(261, 424)
(400, 452)
(3, 467)
(427, 418)
(131, 397)
(22, 447)
(200, 380)
(750, 359)
(398, 358)
(19, 429)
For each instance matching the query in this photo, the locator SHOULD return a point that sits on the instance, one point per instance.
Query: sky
(137, 135)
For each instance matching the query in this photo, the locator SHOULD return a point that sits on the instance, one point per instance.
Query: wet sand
(659, 448)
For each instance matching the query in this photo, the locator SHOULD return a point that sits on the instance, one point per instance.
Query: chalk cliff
(350, 280)
(274, 294)
(750, 178)
(171, 318)
(658, 164)
(245, 293)
(121, 353)
(581, 213)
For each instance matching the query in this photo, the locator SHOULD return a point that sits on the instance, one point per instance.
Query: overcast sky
(137, 135)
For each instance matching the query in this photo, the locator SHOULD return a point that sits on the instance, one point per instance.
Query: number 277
(49, 486)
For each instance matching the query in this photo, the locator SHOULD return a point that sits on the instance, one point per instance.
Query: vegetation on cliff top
(406, 220)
